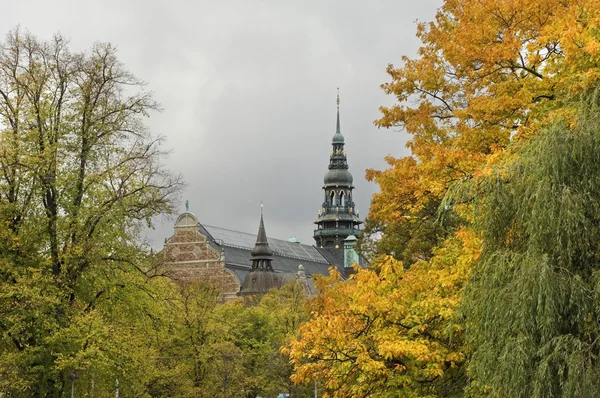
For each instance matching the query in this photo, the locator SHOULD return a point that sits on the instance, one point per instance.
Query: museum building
(242, 264)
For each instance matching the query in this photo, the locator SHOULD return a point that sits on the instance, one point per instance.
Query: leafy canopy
(532, 306)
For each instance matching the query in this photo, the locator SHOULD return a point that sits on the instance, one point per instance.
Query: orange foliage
(488, 70)
(488, 73)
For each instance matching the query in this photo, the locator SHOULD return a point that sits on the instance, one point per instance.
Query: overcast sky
(248, 90)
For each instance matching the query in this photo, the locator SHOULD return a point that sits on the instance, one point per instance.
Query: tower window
(342, 199)
(333, 201)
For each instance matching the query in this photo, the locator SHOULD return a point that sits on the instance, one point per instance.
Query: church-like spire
(261, 277)
(338, 138)
(262, 253)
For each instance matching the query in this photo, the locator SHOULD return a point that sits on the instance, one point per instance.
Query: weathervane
(187, 206)
(338, 98)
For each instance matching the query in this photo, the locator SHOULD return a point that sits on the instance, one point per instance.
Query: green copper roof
(338, 177)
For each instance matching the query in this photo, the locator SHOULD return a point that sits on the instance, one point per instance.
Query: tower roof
(262, 277)
(261, 248)
(338, 177)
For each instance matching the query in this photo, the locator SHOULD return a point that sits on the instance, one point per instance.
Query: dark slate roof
(261, 281)
(333, 257)
(240, 272)
(233, 238)
(237, 251)
(261, 248)
(336, 257)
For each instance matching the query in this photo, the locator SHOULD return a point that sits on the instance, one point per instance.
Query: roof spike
(337, 128)
(338, 138)
(261, 277)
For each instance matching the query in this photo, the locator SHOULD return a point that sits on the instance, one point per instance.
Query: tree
(507, 71)
(388, 332)
(227, 350)
(532, 306)
(260, 329)
(79, 177)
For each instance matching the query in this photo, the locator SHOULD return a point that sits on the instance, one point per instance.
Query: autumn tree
(506, 71)
(80, 176)
(388, 332)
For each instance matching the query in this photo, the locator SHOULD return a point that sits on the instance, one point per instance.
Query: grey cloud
(248, 91)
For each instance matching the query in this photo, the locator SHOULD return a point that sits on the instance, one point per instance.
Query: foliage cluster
(482, 242)
(533, 304)
(227, 350)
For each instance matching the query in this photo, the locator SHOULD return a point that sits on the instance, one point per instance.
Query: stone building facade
(188, 256)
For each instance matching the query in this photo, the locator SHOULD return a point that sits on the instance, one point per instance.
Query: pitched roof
(231, 238)
(287, 256)
(334, 257)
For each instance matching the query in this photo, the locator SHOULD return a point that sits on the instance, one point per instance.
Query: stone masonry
(188, 256)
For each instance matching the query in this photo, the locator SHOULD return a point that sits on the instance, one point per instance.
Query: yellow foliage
(388, 330)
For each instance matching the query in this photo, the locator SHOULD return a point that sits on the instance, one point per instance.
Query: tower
(338, 217)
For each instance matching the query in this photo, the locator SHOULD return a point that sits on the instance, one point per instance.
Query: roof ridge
(254, 235)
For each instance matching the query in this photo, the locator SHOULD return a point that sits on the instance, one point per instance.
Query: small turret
(261, 277)
(262, 255)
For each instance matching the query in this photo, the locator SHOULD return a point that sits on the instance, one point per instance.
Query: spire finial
(187, 206)
(337, 127)
(261, 208)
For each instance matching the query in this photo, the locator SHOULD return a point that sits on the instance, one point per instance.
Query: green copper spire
(337, 129)
(338, 138)
(337, 217)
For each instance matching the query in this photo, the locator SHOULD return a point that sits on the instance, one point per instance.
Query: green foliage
(410, 239)
(79, 178)
(259, 330)
(227, 350)
(533, 305)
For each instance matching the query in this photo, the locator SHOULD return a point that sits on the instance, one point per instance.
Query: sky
(248, 93)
